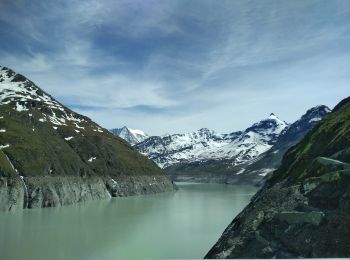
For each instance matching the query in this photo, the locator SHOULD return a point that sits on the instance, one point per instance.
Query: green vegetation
(37, 149)
(329, 139)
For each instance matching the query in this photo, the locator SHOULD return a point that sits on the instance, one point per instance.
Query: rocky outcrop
(38, 192)
(11, 194)
(284, 222)
(303, 210)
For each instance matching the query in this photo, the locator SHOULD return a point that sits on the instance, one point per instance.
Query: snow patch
(265, 172)
(4, 146)
(20, 107)
(91, 159)
(316, 119)
(240, 171)
(68, 138)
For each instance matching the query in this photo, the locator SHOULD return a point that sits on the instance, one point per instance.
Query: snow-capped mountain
(132, 136)
(170, 149)
(270, 160)
(254, 169)
(205, 144)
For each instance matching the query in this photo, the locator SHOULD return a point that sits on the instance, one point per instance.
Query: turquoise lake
(180, 225)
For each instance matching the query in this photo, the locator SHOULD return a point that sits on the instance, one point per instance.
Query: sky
(177, 66)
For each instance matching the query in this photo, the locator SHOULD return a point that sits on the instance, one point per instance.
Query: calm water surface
(184, 224)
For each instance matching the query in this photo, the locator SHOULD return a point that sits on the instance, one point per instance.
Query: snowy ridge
(23, 95)
(15, 87)
(205, 144)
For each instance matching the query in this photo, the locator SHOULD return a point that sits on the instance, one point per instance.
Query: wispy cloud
(173, 66)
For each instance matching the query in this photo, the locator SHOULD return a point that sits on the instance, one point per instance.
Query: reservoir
(182, 224)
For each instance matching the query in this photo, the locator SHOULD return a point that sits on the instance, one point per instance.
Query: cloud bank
(176, 66)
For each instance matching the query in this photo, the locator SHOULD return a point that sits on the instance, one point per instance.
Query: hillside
(50, 155)
(303, 210)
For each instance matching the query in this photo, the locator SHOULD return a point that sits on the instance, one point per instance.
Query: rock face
(303, 210)
(50, 155)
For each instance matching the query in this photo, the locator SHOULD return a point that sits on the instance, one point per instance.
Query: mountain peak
(272, 116)
(272, 124)
(315, 113)
(132, 136)
(319, 108)
(22, 95)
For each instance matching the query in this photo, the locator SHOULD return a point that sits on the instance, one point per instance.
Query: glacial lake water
(180, 225)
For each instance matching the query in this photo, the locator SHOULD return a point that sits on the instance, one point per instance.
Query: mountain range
(50, 155)
(241, 156)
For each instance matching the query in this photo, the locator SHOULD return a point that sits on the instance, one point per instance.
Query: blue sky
(176, 66)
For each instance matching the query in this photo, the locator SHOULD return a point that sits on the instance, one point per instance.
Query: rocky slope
(303, 210)
(132, 136)
(51, 156)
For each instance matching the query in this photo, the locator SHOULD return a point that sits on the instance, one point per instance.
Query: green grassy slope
(329, 139)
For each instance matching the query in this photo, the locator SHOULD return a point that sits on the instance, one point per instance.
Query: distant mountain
(246, 156)
(270, 160)
(204, 144)
(132, 136)
(50, 155)
(303, 209)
